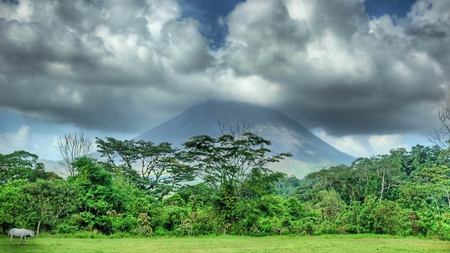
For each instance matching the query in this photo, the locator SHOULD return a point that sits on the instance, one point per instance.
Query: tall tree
(389, 168)
(50, 200)
(14, 209)
(17, 159)
(159, 169)
(340, 178)
(96, 187)
(434, 182)
(22, 165)
(98, 194)
(236, 163)
(72, 146)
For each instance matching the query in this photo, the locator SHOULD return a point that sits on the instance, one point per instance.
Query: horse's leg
(10, 240)
(26, 240)
(20, 240)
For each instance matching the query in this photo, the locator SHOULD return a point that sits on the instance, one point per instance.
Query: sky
(365, 76)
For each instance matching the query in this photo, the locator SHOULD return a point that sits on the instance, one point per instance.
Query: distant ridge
(310, 153)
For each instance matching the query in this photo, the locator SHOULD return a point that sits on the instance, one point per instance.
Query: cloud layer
(128, 65)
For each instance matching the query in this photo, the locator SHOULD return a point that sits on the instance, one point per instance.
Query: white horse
(20, 232)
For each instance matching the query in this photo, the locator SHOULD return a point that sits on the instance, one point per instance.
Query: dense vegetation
(223, 186)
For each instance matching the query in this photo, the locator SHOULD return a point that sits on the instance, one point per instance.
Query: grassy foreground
(317, 244)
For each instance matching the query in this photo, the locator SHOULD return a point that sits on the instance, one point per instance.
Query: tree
(287, 185)
(379, 175)
(23, 165)
(50, 200)
(72, 146)
(235, 163)
(330, 204)
(388, 167)
(434, 182)
(423, 157)
(98, 195)
(441, 136)
(157, 165)
(14, 209)
(340, 178)
(17, 159)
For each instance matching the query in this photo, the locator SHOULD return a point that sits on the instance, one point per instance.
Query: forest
(223, 185)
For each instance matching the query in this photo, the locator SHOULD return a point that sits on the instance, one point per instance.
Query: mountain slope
(310, 153)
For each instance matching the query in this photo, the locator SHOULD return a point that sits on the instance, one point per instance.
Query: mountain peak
(285, 134)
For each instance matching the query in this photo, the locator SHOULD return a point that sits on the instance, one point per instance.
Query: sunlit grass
(317, 244)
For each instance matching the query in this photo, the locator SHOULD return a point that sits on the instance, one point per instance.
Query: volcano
(310, 153)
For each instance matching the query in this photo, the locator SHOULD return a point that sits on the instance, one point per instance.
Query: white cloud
(351, 145)
(185, 50)
(21, 12)
(381, 144)
(368, 145)
(14, 141)
(431, 11)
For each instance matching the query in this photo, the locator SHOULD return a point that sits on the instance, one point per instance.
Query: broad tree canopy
(235, 162)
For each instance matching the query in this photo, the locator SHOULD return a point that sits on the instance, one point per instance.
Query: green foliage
(286, 186)
(23, 165)
(389, 218)
(14, 211)
(401, 193)
(114, 222)
(148, 166)
(51, 201)
(198, 223)
(236, 164)
(97, 195)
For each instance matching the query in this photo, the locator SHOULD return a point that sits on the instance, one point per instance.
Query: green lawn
(318, 244)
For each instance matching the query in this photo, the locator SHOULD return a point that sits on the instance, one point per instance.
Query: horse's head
(31, 233)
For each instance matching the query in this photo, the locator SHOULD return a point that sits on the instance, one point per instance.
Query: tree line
(224, 185)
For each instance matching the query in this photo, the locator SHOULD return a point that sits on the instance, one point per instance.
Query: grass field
(317, 244)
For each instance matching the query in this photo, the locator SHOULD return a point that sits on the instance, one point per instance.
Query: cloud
(365, 145)
(100, 65)
(10, 142)
(128, 65)
(26, 139)
(340, 70)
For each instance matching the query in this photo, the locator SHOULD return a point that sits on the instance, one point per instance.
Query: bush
(197, 223)
(143, 228)
(389, 218)
(167, 219)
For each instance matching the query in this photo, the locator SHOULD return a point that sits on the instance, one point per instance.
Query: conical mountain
(310, 153)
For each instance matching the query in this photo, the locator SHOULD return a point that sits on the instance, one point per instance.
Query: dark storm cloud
(96, 64)
(126, 65)
(14, 2)
(428, 31)
(351, 75)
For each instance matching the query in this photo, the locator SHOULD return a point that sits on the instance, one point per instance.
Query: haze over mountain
(310, 153)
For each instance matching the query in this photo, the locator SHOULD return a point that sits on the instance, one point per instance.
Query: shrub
(143, 228)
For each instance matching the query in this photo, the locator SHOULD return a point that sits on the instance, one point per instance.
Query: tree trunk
(382, 185)
(38, 227)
